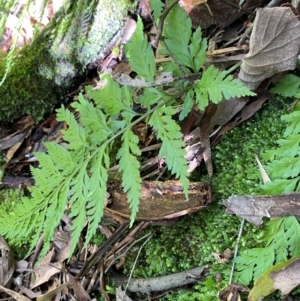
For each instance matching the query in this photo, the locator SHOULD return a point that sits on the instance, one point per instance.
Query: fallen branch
(159, 283)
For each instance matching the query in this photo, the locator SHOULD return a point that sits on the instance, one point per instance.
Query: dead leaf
(274, 45)
(214, 12)
(222, 257)
(121, 295)
(14, 294)
(7, 263)
(232, 292)
(45, 272)
(160, 200)
(80, 293)
(50, 294)
(28, 292)
(263, 172)
(283, 276)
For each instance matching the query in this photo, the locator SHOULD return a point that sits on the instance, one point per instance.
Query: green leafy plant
(282, 242)
(282, 235)
(75, 176)
(284, 164)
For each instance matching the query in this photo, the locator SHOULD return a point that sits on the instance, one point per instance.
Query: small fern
(284, 164)
(282, 234)
(282, 242)
(75, 176)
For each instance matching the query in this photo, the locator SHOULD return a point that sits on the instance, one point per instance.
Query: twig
(134, 264)
(236, 250)
(161, 22)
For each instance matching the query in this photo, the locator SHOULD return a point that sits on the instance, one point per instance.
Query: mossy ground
(190, 243)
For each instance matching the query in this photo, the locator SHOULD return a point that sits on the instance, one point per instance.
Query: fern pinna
(73, 177)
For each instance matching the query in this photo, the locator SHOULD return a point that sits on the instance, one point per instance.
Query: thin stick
(134, 264)
(236, 250)
(161, 22)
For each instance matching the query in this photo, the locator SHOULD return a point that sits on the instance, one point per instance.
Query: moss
(8, 199)
(45, 71)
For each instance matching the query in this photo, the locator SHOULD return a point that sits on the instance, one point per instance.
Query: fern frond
(215, 85)
(284, 165)
(129, 166)
(140, 54)
(172, 144)
(188, 49)
(156, 6)
(108, 97)
(293, 121)
(282, 241)
(188, 104)
(288, 86)
(177, 32)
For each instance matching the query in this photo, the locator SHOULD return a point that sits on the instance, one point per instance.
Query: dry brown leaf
(283, 276)
(50, 294)
(7, 263)
(45, 272)
(14, 294)
(121, 295)
(232, 292)
(274, 45)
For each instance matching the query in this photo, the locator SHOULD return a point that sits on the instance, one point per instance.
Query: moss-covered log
(46, 70)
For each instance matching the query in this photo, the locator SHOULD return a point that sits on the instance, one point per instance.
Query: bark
(254, 208)
(48, 69)
(159, 200)
(162, 283)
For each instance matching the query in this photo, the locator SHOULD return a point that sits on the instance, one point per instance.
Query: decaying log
(254, 208)
(160, 200)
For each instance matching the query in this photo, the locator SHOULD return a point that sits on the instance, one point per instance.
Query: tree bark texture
(254, 208)
(43, 72)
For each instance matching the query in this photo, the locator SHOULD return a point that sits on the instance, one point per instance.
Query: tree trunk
(46, 70)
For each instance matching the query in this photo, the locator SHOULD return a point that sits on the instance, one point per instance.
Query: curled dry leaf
(283, 276)
(274, 45)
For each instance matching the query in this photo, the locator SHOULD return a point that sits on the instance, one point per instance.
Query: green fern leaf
(288, 86)
(293, 120)
(150, 97)
(280, 186)
(172, 144)
(156, 6)
(94, 122)
(284, 168)
(75, 134)
(187, 106)
(97, 191)
(177, 32)
(282, 241)
(140, 54)
(129, 166)
(108, 97)
(284, 165)
(215, 86)
(187, 49)
(197, 50)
